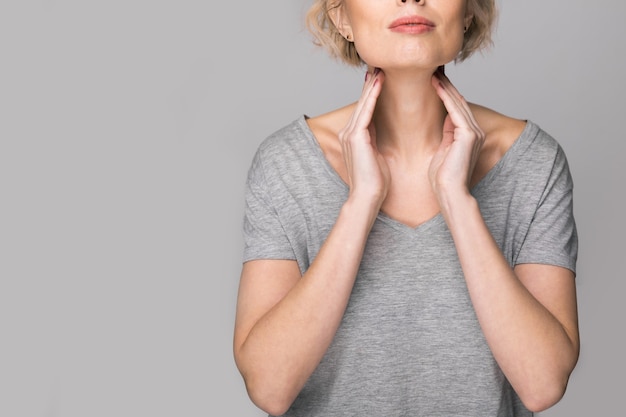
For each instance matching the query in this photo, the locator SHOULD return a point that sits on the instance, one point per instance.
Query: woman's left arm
(528, 314)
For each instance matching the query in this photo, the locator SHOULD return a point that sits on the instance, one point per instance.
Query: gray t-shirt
(409, 343)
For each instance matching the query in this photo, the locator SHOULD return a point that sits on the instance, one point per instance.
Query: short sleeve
(264, 235)
(552, 238)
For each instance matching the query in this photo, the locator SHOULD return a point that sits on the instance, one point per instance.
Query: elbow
(542, 401)
(272, 403)
(265, 389)
(540, 397)
(544, 389)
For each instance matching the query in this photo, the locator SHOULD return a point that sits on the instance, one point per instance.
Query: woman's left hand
(452, 165)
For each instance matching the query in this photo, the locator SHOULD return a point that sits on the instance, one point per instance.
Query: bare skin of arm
(286, 322)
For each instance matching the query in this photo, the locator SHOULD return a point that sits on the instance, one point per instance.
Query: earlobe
(468, 21)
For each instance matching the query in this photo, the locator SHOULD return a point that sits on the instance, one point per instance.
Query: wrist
(457, 205)
(360, 209)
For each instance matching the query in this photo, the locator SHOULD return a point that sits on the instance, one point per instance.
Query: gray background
(126, 130)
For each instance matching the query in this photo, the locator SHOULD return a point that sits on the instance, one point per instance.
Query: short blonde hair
(325, 34)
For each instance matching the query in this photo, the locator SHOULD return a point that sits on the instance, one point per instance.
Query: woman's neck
(409, 115)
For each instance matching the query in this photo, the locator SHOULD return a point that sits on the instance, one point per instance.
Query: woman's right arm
(285, 322)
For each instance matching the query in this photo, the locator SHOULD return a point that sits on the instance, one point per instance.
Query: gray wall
(126, 129)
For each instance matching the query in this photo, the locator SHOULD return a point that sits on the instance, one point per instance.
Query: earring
(349, 37)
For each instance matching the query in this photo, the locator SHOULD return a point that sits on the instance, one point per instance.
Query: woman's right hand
(368, 173)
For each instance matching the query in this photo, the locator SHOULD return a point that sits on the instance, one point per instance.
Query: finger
(363, 116)
(457, 111)
(368, 75)
(359, 104)
(457, 118)
(451, 89)
(367, 85)
(457, 98)
(365, 99)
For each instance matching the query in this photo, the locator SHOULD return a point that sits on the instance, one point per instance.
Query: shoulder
(501, 131)
(516, 148)
(527, 151)
(326, 127)
(271, 153)
(287, 136)
(286, 146)
(325, 130)
(289, 154)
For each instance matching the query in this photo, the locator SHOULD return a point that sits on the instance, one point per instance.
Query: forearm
(535, 351)
(286, 344)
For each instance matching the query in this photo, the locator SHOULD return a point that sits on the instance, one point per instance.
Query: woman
(410, 254)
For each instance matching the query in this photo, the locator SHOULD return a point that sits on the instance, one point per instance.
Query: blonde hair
(325, 34)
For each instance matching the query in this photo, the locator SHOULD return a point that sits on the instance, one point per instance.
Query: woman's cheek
(369, 53)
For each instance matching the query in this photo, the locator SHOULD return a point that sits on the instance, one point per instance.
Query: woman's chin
(423, 59)
(410, 65)
(389, 68)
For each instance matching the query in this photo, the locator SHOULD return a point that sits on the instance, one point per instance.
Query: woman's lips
(411, 24)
